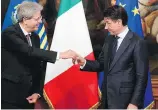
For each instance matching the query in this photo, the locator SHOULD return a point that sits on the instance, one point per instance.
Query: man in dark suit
(22, 58)
(124, 60)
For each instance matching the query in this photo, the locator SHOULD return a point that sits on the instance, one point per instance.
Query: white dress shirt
(122, 36)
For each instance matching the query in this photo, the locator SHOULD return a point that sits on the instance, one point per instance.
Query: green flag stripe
(65, 5)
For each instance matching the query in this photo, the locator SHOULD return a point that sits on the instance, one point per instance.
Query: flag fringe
(95, 106)
(150, 106)
(47, 100)
(99, 92)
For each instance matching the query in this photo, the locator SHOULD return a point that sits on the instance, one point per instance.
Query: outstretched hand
(80, 60)
(76, 58)
(68, 54)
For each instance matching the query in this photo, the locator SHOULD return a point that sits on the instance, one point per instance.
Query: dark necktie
(114, 47)
(29, 39)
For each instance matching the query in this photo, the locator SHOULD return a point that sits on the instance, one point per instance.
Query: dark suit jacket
(126, 76)
(21, 65)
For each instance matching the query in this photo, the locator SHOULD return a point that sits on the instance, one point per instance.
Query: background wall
(149, 15)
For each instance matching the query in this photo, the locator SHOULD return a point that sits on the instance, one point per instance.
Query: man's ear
(24, 21)
(119, 21)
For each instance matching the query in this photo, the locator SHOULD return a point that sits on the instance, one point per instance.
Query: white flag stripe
(69, 35)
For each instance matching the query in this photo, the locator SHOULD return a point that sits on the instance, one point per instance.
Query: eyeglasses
(37, 19)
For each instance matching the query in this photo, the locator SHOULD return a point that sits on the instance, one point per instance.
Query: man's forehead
(37, 14)
(107, 19)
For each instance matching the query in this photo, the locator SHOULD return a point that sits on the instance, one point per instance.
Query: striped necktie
(29, 39)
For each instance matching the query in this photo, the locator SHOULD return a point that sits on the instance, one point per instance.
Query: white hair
(27, 9)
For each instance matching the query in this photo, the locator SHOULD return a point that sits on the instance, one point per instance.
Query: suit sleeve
(141, 64)
(97, 65)
(38, 79)
(13, 42)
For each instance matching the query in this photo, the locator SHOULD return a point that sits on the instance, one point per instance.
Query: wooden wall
(155, 91)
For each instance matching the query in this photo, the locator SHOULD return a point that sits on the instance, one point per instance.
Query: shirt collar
(123, 33)
(23, 30)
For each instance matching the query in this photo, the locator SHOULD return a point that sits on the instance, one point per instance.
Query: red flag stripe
(72, 85)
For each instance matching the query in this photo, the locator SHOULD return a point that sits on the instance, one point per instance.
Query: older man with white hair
(22, 58)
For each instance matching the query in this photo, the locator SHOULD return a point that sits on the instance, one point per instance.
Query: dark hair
(116, 12)
(49, 12)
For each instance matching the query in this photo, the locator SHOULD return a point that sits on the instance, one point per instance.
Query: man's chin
(111, 33)
(36, 28)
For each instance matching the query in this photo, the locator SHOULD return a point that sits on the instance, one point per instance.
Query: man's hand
(75, 57)
(131, 106)
(68, 54)
(33, 98)
(80, 60)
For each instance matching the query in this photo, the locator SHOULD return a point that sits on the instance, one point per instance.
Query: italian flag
(66, 87)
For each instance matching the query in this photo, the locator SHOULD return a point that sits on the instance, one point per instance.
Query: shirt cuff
(58, 55)
(81, 67)
(39, 96)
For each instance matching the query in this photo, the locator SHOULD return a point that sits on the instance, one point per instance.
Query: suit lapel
(35, 40)
(17, 26)
(110, 42)
(125, 43)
